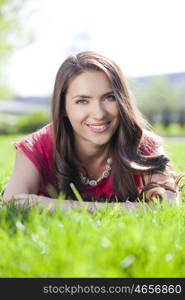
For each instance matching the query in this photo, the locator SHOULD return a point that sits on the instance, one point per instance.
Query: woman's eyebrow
(86, 96)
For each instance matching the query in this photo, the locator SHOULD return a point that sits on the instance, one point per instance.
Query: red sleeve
(38, 148)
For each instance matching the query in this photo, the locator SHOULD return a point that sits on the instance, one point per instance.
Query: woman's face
(91, 108)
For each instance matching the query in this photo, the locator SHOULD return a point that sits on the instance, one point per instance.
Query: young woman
(97, 140)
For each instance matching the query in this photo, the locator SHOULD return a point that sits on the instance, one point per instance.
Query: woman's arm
(25, 178)
(42, 201)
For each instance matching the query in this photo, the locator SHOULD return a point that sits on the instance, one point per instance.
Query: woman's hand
(162, 186)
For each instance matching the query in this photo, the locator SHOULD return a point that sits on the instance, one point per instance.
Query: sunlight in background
(143, 37)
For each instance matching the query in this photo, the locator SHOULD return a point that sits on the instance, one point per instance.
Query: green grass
(7, 155)
(109, 243)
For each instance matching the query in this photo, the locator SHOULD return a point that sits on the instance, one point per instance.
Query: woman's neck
(93, 158)
(92, 155)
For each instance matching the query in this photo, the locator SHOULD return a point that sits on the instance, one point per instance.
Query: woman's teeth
(99, 128)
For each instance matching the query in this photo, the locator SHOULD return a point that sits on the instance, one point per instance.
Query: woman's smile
(99, 128)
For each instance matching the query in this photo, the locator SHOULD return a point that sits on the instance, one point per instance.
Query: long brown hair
(129, 136)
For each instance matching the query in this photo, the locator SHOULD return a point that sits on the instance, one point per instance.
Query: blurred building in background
(23, 105)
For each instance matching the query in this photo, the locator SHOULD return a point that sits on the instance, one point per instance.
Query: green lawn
(109, 243)
(7, 155)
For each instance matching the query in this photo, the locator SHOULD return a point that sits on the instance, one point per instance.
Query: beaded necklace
(105, 174)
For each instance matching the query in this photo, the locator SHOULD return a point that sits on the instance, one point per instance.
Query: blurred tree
(181, 117)
(159, 97)
(13, 35)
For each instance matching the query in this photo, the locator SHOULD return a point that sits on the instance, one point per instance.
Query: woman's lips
(99, 128)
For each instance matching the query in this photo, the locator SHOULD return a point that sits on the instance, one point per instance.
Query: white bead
(109, 160)
(92, 182)
(108, 168)
(105, 174)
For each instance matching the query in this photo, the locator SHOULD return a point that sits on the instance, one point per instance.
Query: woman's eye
(111, 98)
(81, 101)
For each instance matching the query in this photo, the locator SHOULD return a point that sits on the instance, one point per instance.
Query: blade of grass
(76, 192)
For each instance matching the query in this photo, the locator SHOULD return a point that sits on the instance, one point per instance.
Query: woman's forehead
(89, 82)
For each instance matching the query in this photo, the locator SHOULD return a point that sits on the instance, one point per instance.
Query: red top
(38, 147)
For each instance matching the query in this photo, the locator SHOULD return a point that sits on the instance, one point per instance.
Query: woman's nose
(99, 111)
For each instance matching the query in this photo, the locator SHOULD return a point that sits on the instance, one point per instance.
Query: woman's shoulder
(42, 136)
(43, 132)
(151, 143)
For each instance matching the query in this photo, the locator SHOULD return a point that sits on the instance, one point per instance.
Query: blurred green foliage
(160, 100)
(13, 35)
(24, 124)
(158, 95)
(174, 129)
